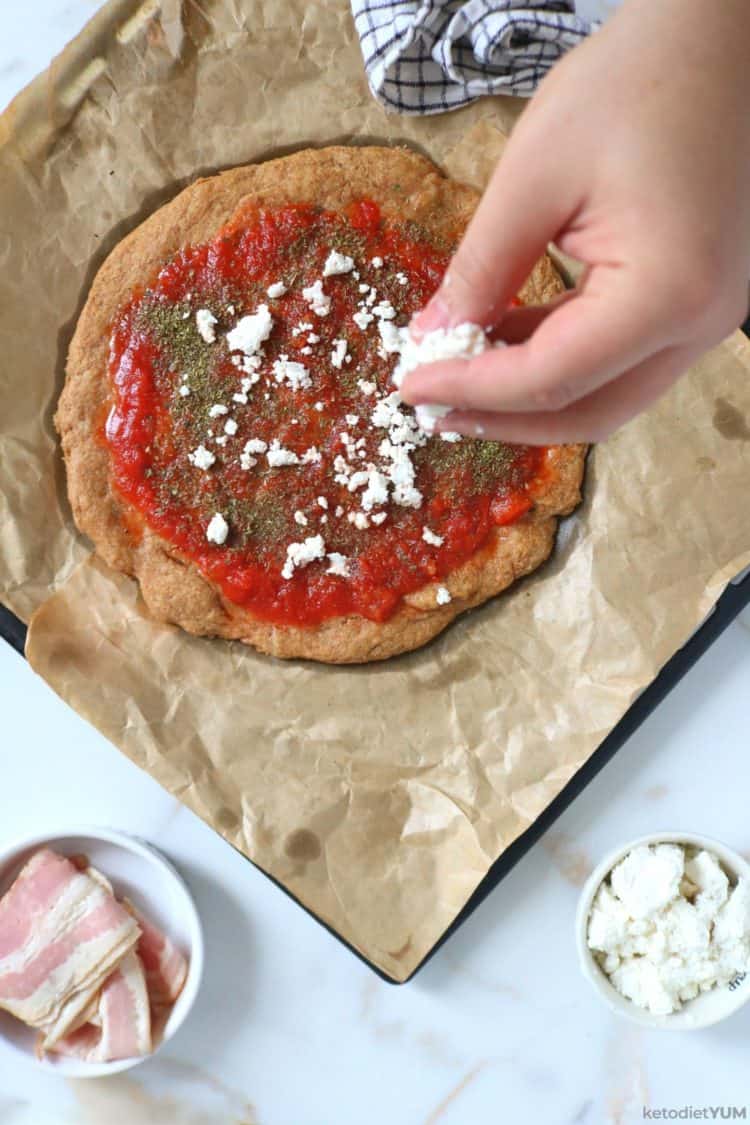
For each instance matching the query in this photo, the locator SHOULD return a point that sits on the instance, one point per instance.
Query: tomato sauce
(156, 352)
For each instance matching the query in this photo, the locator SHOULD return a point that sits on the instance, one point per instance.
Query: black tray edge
(12, 630)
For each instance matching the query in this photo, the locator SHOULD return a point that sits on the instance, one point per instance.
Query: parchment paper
(381, 795)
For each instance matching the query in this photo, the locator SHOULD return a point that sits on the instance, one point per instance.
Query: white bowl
(707, 1007)
(154, 886)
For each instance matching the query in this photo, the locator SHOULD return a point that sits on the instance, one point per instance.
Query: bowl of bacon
(101, 950)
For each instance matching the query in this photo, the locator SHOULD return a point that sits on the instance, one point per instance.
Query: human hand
(634, 158)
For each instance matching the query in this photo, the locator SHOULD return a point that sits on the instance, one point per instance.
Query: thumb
(522, 209)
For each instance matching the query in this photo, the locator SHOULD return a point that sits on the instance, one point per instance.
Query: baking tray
(734, 599)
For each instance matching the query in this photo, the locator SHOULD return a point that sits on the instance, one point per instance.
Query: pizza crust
(173, 589)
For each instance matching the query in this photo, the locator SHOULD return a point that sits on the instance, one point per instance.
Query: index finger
(502, 242)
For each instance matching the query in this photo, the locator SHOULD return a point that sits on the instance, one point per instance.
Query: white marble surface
(289, 1028)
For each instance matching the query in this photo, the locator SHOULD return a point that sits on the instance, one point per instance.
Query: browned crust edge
(173, 589)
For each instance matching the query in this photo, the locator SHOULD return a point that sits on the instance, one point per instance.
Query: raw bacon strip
(164, 965)
(123, 1028)
(124, 1012)
(79, 1044)
(43, 880)
(61, 936)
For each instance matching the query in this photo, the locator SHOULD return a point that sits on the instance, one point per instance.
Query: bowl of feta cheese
(663, 930)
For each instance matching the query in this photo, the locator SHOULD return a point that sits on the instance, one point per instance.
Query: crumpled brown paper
(379, 795)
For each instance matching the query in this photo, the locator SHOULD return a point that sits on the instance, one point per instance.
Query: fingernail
(435, 314)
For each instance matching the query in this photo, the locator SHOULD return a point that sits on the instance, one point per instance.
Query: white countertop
(290, 1029)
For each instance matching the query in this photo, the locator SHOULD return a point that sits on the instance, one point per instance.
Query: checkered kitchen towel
(429, 56)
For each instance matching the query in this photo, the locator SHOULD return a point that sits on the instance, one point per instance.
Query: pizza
(232, 435)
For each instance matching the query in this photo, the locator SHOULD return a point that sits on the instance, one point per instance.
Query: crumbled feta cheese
(339, 511)
(401, 278)
(376, 493)
(302, 554)
(206, 322)
(377, 262)
(733, 919)
(342, 471)
(322, 502)
(337, 263)
(201, 457)
(312, 456)
(378, 517)
(286, 370)
(659, 929)
(255, 445)
(241, 398)
(338, 564)
(386, 412)
(366, 387)
(359, 519)
(217, 529)
(442, 595)
(250, 332)
(449, 435)
(217, 410)
(408, 496)
(461, 342)
(303, 326)
(307, 350)
(711, 883)
(362, 319)
(431, 538)
(384, 310)
(278, 289)
(313, 338)
(278, 457)
(319, 302)
(230, 427)
(300, 518)
(318, 406)
(357, 480)
(339, 352)
(352, 419)
(364, 287)
(648, 878)
(184, 390)
(403, 437)
(221, 440)
(391, 338)
(250, 364)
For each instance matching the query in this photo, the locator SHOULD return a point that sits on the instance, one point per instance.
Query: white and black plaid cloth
(429, 56)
